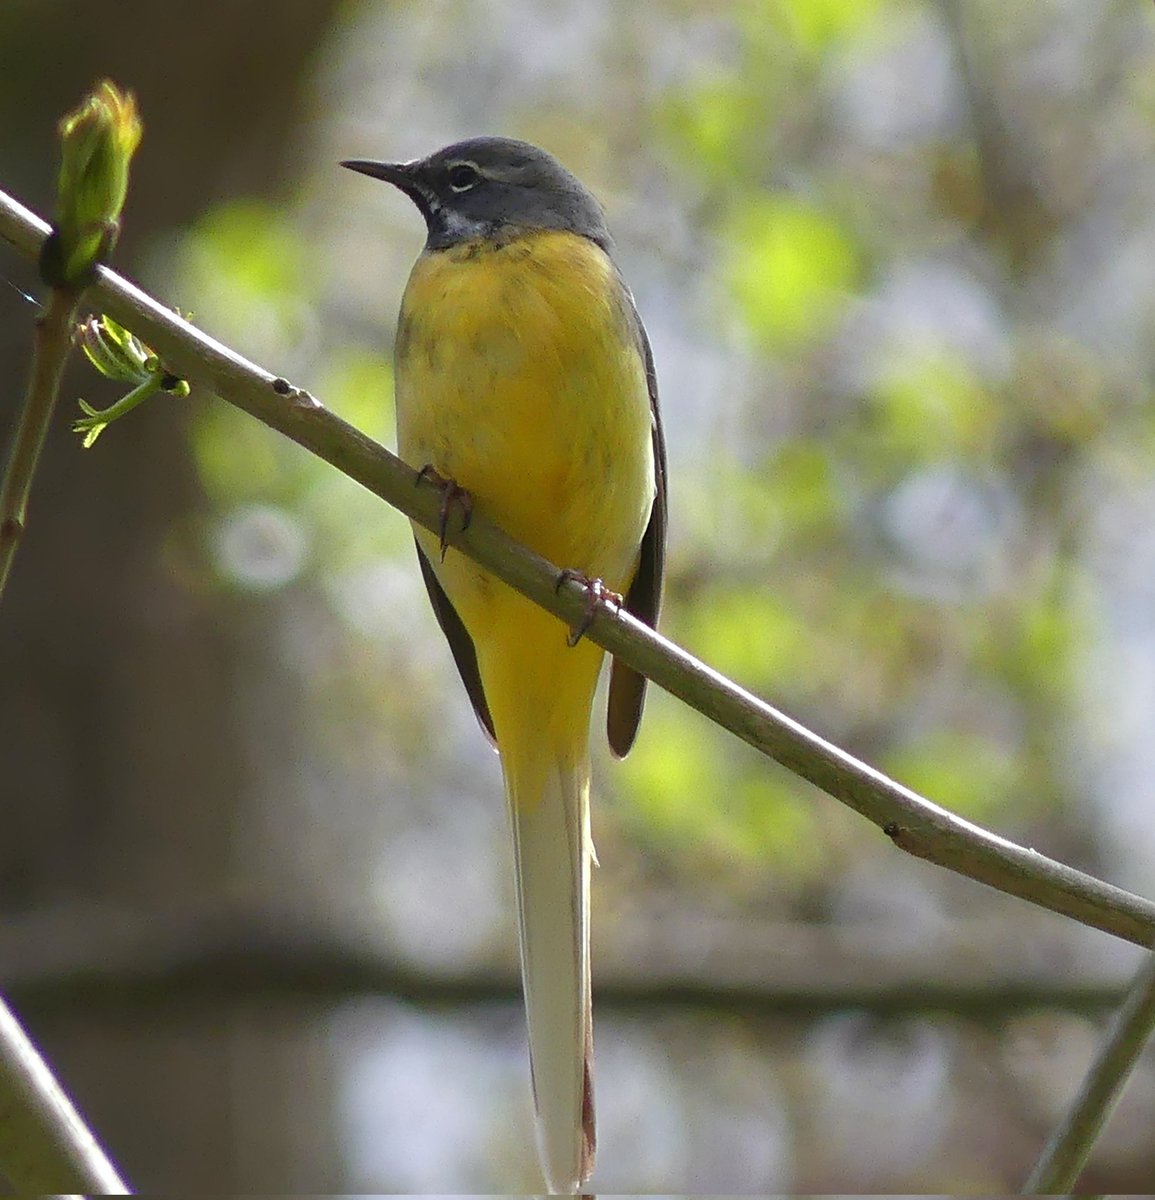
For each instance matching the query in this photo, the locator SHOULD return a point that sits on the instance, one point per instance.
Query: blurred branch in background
(214, 954)
(915, 825)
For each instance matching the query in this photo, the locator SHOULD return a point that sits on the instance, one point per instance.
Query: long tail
(550, 817)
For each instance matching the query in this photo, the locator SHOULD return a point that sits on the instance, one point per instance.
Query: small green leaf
(119, 354)
(115, 352)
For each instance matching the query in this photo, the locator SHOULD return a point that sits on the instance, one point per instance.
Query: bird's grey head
(486, 186)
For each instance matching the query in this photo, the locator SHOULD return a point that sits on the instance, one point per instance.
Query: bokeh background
(897, 260)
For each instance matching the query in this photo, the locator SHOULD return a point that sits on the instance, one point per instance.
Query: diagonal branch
(912, 823)
(1069, 1147)
(45, 1147)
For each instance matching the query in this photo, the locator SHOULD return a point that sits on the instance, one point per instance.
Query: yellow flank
(519, 376)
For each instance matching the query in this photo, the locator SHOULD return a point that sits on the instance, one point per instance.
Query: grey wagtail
(525, 383)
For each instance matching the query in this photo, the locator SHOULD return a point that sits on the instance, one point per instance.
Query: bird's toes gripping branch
(452, 496)
(596, 593)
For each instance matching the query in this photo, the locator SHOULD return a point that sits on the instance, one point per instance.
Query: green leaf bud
(97, 142)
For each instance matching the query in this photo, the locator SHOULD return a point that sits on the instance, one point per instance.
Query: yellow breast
(519, 375)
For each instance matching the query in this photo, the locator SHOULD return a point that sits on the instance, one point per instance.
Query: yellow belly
(519, 377)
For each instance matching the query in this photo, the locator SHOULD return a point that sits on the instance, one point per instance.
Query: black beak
(405, 176)
(398, 174)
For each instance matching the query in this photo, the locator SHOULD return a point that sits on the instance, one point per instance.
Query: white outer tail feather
(552, 850)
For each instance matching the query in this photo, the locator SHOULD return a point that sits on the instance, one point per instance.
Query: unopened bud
(97, 142)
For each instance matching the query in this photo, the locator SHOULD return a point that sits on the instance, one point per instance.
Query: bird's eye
(463, 176)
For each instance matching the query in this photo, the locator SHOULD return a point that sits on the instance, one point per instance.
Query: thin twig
(1069, 1147)
(45, 1147)
(51, 346)
(912, 823)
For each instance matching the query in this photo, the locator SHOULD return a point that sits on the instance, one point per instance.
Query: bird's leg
(596, 593)
(452, 496)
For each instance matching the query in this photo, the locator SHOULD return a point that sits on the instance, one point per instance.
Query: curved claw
(596, 593)
(452, 496)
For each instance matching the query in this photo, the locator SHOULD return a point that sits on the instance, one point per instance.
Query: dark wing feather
(464, 655)
(627, 691)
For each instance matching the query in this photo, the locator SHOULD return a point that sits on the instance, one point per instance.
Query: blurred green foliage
(811, 28)
(884, 529)
(249, 262)
(928, 407)
(789, 266)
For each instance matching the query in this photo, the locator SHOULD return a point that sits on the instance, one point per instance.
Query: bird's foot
(596, 593)
(452, 496)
